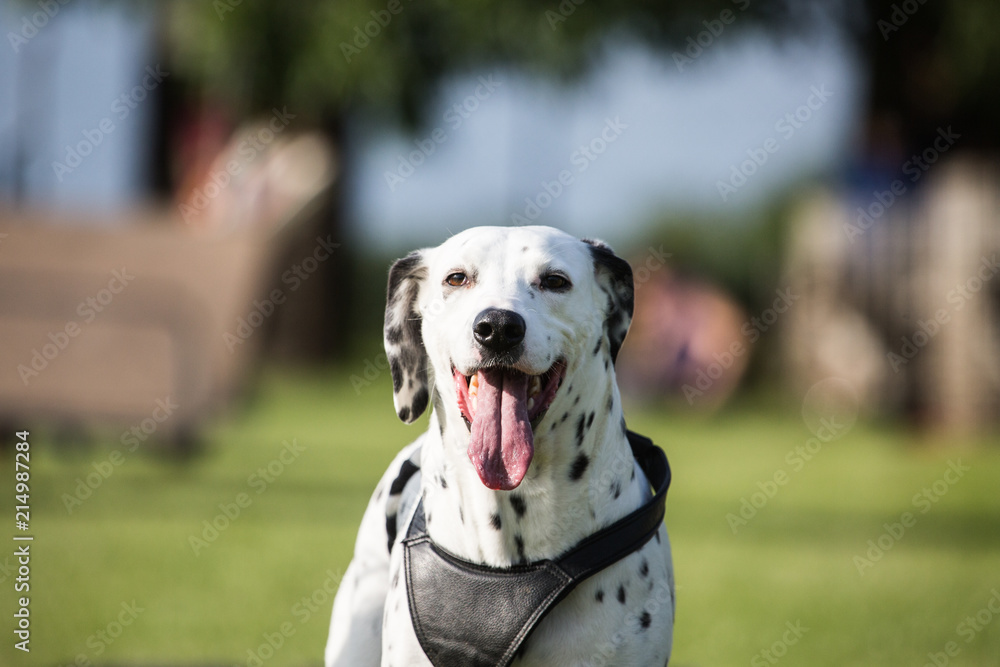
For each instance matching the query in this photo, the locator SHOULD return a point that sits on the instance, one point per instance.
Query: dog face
(501, 316)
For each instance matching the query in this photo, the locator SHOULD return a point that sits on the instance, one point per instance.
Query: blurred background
(199, 202)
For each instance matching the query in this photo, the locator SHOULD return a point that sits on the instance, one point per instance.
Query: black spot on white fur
(645, 620)
(600, 595)
(579, 467)
(644, 568)
(621, 594)
(495, 521)
(394, 335)
(406, 470)
(419, 402)
(517, 502)
(396, 370)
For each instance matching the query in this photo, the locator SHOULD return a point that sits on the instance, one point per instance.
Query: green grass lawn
(125, 554)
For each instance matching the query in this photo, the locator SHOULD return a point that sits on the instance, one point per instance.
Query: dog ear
(404, 342)
(614, 275)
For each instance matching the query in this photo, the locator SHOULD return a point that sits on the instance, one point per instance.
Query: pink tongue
(502, 442)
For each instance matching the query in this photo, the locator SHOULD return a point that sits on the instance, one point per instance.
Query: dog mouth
(502, 406)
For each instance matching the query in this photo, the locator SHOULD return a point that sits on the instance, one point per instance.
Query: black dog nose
(498, 330)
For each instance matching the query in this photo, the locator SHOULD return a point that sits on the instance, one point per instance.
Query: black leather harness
(471, 615)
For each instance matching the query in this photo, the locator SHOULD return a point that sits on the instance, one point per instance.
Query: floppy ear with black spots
(614, 275)
(404, 342)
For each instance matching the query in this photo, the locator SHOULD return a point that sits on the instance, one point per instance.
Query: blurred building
(81, 85)
(118, 306)
(901, 291)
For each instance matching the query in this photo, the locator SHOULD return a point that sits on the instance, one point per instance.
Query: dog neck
(582, 477)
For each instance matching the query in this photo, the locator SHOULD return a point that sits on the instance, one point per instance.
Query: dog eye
(456, 279)
(554, 282)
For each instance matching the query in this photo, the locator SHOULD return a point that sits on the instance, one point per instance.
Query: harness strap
(472, 615)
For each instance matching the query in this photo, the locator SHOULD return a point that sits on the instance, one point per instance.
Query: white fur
(371, 623)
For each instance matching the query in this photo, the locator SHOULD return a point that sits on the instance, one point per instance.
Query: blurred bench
(136, 323)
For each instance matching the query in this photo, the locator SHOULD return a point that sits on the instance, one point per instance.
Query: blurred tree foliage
(319, 56)
(929, 61)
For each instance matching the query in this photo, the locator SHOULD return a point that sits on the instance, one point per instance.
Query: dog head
(498, 318)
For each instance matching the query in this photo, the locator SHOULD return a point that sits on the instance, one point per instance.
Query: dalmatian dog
(510, 334)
